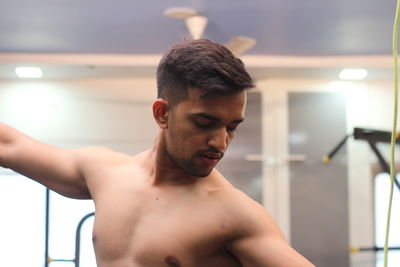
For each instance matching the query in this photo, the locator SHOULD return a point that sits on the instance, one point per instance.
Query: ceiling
(311, 28)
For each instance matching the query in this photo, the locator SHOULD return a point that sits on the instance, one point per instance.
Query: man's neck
(164, 170)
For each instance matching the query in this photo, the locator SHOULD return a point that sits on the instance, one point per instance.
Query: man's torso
(170, 225)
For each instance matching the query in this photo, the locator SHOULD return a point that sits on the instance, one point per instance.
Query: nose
(219, 140)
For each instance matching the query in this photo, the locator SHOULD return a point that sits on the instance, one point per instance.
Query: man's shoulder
(101, 158)
(231, 197)
(101, 166)
(256, 239)
(101, 153)
(244, 213)
(236, 200)
(246, 217)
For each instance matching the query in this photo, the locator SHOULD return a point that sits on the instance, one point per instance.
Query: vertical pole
(46, 249)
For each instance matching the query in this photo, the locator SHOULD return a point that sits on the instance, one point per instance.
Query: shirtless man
(168, 206)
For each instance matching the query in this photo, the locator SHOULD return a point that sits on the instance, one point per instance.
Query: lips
(211, 158)
(209, 161)
(212, 155)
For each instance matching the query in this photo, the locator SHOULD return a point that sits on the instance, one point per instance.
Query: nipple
(172, 261)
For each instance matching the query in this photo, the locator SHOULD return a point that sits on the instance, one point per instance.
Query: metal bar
(382, 161)
(353, 250)
(47, 234)
(328, 157)
(385, 167)
(373, 135)
(78, 238)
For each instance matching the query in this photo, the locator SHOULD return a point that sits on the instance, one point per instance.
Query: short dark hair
(200, 64)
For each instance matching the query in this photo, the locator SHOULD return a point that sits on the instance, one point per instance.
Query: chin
(203, 173)
(199, 173)
(192, 169)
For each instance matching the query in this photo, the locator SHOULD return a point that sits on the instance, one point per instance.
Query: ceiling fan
(197, 23)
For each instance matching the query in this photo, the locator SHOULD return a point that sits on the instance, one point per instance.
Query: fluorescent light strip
(29, 72)
(353, 74)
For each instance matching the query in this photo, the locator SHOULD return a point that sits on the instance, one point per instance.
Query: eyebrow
(213, 118)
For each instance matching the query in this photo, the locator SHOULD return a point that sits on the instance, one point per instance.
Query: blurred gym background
(93, 83)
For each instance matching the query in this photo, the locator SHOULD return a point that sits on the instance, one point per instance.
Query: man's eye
(232, 128)
(203, 124)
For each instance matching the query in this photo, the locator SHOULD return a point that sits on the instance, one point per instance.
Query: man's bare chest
(162, 230)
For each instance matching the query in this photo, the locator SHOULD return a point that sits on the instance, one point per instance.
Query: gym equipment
(76, 260)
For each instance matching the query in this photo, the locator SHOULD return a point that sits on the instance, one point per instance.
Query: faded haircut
(200, 64)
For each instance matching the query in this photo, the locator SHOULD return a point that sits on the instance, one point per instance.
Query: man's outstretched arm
(267, 250)
(260, 242)
(56, 168)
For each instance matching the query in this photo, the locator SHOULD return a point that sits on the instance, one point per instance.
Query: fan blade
(180, 12)
(240, 44)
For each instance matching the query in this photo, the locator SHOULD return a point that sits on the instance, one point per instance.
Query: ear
(160, 112)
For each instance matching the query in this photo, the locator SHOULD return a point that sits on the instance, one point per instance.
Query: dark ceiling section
(284, 27)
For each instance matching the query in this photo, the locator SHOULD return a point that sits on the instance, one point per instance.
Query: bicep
(263, 250)
(56, 168)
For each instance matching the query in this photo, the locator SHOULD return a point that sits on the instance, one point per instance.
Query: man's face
(200, 130)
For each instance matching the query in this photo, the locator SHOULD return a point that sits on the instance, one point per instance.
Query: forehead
(232, 106)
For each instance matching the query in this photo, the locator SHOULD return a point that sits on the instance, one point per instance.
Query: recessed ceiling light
(29, 72)
(353, 74)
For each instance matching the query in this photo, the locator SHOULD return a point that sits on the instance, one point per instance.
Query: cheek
(182, 139)
(188, 140)
(191, 140)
